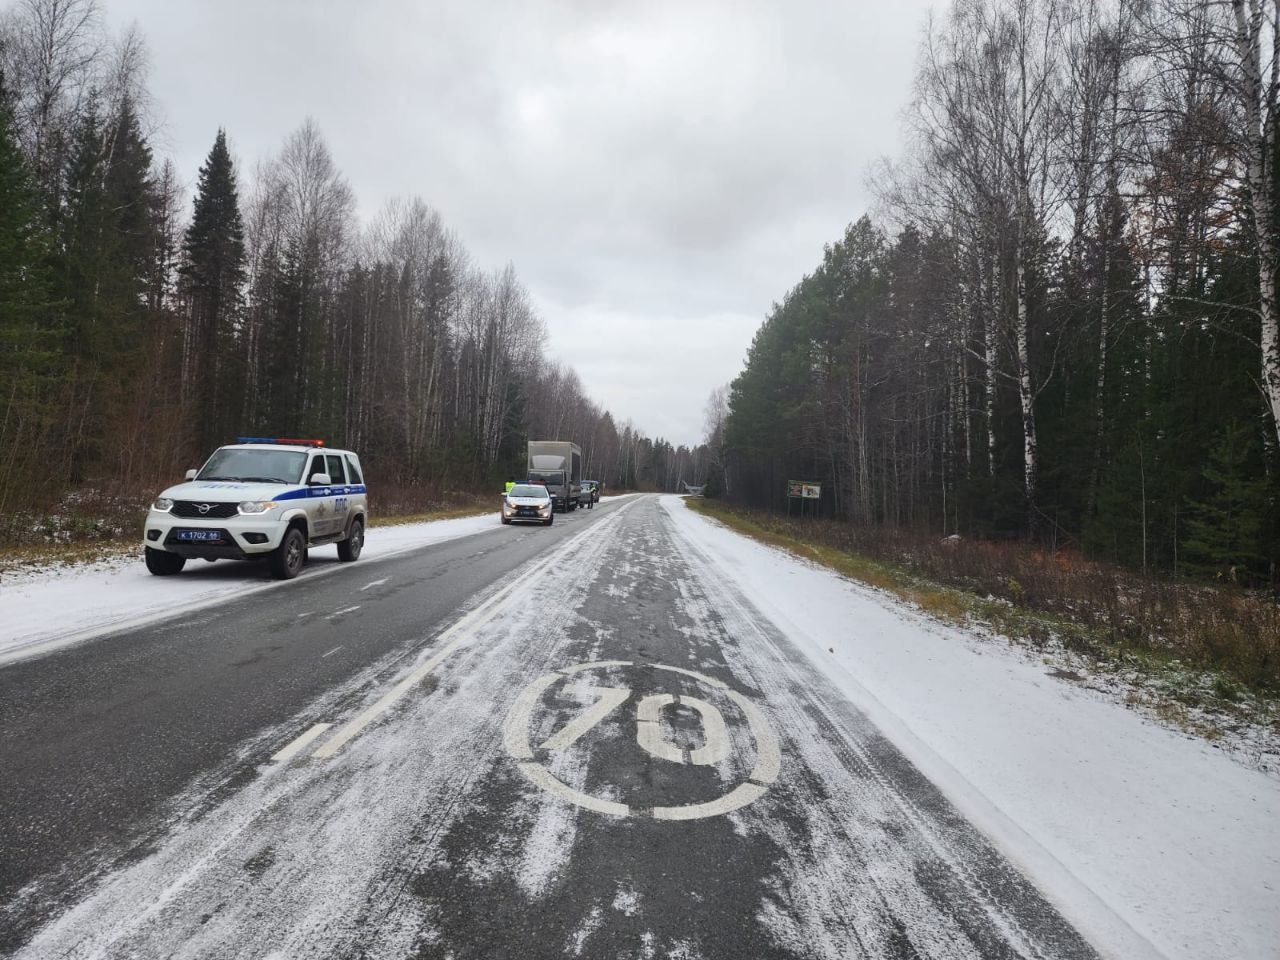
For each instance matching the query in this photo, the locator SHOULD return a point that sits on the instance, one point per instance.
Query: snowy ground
(45, 607)
(1151, 843)
(1122, 822)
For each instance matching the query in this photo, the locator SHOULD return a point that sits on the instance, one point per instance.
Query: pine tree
(213, 276)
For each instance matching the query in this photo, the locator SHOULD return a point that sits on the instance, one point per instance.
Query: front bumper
(241, 537)
(513, 515)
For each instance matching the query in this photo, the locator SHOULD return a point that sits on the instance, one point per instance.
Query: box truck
(558, 464)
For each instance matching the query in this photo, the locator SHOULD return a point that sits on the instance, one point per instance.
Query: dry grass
(442, 513)
(1101, 612)
(87, 525)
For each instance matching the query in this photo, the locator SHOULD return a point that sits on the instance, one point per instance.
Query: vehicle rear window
(353, 470)
(337, 474)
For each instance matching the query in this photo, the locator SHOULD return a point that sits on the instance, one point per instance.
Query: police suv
(260, 498)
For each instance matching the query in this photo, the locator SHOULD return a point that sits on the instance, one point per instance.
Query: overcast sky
(659, 173)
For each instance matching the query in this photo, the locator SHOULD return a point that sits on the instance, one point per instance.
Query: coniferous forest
(142, 324)
(1061, 323)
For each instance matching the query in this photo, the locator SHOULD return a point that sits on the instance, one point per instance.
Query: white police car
(260, 498)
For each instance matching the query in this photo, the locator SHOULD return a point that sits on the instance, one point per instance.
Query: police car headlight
(163, 504)
(254, 507)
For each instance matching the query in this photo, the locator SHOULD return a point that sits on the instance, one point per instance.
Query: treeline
(1065, 325)
(135, 336)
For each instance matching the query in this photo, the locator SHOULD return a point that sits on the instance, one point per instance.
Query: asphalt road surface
(535, 742)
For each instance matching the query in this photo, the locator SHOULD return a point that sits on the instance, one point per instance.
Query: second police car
(260, 498)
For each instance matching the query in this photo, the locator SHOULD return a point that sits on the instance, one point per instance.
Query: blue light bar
(281, 441)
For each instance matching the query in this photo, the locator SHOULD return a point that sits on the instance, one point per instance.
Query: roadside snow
(43, 609)
(1136, 832)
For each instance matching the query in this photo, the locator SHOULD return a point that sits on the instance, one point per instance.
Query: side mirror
(319, 480)
(190, 474)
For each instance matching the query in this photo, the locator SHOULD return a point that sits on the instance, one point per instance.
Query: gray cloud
(659, 173)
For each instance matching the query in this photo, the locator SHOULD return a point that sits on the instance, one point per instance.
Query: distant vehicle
(558, 464)
(260, 498)
(527, 502)
(590, 494)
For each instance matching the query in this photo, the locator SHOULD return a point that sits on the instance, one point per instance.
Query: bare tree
(1257, 87)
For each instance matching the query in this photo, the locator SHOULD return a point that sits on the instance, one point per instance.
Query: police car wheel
(162, 563)
(288, 558)
(349, 549)
(547, 522)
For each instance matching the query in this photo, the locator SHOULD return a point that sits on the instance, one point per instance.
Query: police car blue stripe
(308, 493)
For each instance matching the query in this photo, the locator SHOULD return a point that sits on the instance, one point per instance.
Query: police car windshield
(529, 490)
(255, 466)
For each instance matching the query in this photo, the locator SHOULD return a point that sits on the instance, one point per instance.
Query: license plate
(214, 535)
(526, 512)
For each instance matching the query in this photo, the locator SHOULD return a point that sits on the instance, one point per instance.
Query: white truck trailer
(558, 464)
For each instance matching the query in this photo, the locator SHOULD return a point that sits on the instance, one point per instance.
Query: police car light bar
(281, 441)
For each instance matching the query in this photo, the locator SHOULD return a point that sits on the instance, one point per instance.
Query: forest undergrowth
(95, 523)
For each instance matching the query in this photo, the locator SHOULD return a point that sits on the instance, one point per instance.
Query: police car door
(339, 502)
(319, 506)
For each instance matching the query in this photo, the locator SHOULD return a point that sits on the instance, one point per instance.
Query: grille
(190, 510)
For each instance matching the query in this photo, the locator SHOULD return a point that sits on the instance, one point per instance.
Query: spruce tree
(29, 348)
(212, 276)
(107, 248)
(1226, 526)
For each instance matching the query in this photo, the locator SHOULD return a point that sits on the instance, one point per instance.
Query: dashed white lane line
(376, 583)
(331, 652)
(338, 613)
(458, 635)
(300, 744)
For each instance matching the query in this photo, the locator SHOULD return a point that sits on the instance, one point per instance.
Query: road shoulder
(1099, 806)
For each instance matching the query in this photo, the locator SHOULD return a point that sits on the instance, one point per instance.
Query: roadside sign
(804, 490)
(644, 721)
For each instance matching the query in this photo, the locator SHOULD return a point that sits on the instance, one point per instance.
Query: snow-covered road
(660, 739)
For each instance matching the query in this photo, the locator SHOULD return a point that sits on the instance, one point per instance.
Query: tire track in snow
(852, 767)
(311, 860)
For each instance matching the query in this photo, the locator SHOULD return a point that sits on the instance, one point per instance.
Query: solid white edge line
(300, 744)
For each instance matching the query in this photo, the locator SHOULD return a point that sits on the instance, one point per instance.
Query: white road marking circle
(649, 737)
